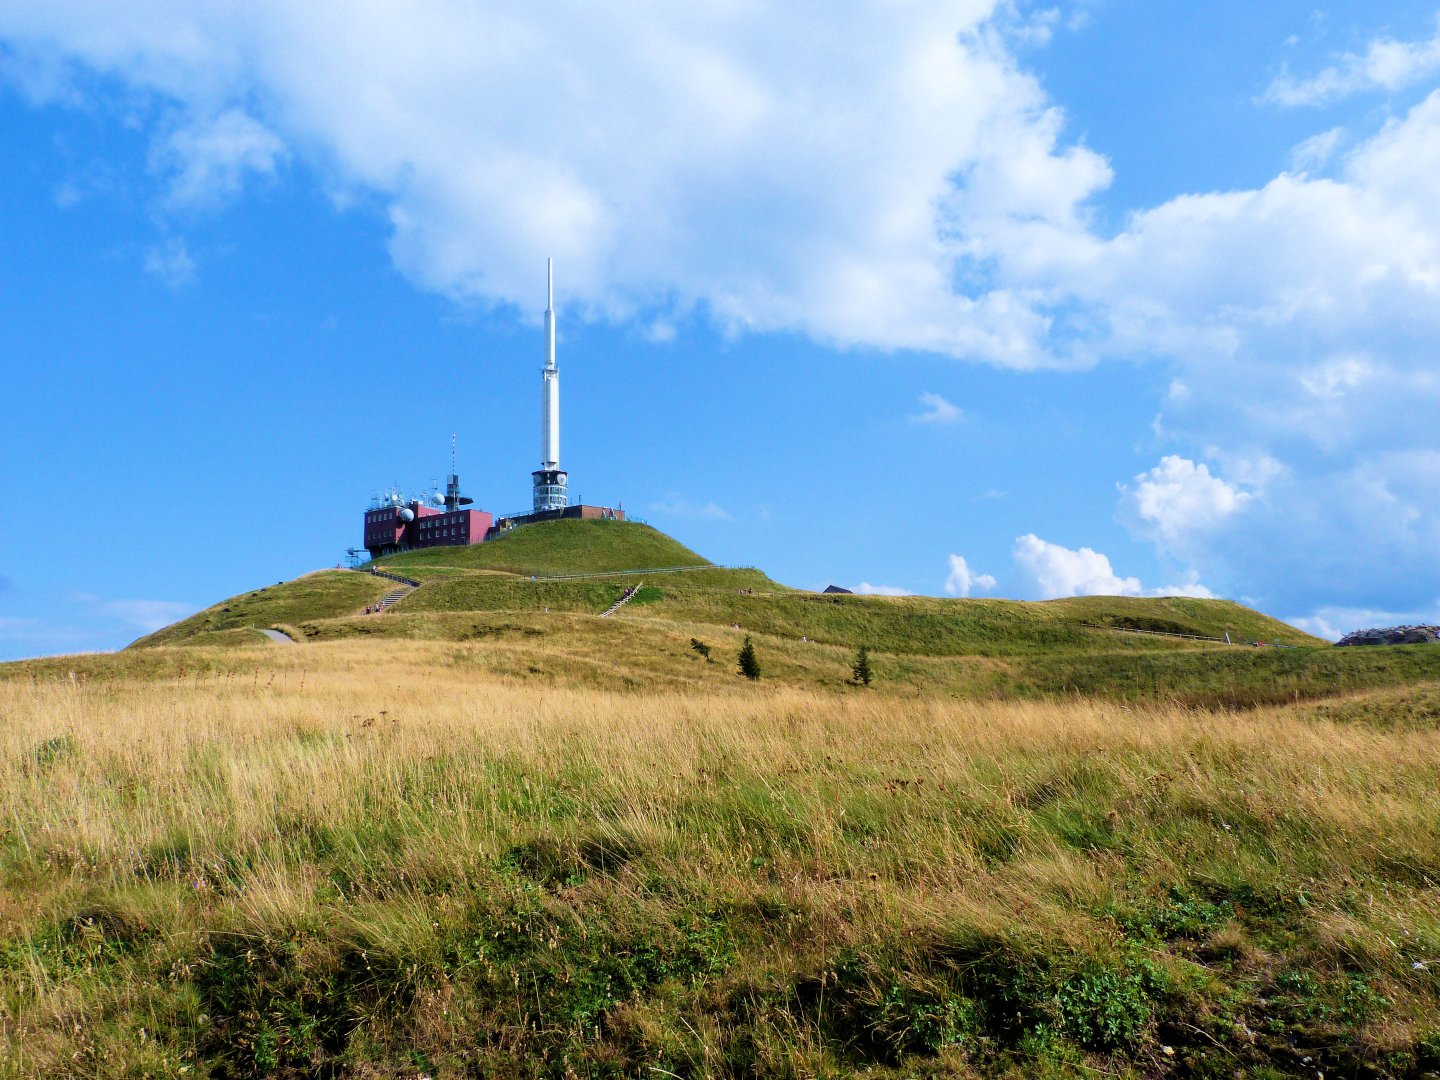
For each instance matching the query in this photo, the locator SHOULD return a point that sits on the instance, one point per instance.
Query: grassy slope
(343, 860)
(497, 576)
(995, 648)
(558, 547)
(321, 595)
(937, 627)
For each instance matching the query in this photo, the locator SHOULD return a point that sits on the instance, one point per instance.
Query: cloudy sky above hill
(962, 298)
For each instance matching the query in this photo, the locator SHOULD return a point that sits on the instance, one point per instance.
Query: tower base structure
(552, 489)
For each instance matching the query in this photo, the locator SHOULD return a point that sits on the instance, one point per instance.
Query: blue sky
(958, 298)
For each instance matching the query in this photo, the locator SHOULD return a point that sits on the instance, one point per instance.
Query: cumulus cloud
(671, 157)
(937, 410)
(1057, 571)
(1190, 586)
(1179, 498)
(1386, 64)
(1333, 623)
(866, 589)
(1298, 320)
(962, 581)
(1050, 571)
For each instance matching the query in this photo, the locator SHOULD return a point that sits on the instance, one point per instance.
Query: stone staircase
(394, 596)
(625, 598)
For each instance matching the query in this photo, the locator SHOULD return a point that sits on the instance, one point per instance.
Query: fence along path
(1188, 637)
(633, 573)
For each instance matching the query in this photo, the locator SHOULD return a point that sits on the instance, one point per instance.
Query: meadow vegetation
(488, 833)
(557, 547)
(321, 595)
(343, 860)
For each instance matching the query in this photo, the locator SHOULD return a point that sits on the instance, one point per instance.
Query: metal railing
(386, 574)
(1190, 637)
(632, 573)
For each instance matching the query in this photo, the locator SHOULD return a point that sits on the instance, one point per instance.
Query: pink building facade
(389, 529)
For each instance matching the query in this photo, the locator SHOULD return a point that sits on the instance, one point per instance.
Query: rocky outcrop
(1393, 635)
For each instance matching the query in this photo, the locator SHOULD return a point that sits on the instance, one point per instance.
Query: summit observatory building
(394, 523)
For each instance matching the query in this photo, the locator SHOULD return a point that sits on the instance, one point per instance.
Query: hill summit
(618, 603)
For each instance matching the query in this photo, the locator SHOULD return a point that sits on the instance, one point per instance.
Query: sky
(950, 297)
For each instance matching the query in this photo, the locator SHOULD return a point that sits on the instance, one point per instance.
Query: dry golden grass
(354, 792)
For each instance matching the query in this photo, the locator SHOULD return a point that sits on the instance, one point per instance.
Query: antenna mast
(551, 484)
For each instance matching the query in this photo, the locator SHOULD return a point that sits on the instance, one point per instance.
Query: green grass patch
(321, 595)
(558, 547)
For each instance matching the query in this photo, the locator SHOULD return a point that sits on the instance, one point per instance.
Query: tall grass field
(405, 858)
(495, 831)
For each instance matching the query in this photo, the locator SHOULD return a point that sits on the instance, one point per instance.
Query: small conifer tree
(861, 668)
(701, 648)
(749, 665)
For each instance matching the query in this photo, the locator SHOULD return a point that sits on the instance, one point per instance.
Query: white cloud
(673, 158)
(171, 262)
(676, 506)
(1386, 64)
(1190, 586)
(1333, 623)
(961, 580)
(1317, 151)
(866, 589)
(1057, 571)
(1179, 498)
(207, 161)
(899, 183)
(1051, 571)
(937, 410)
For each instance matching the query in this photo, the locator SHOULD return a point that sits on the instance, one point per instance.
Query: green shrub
(860, 667)
(749, 663)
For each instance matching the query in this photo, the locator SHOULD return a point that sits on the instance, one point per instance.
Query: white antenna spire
(549, 314)
(452, 453)
(550, 402)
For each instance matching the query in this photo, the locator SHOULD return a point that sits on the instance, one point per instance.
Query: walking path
(625, 598)
(394, 596)
(279, 638)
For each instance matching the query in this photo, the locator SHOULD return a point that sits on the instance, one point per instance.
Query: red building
(389, 529)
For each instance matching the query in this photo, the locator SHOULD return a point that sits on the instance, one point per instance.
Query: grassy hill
(489, 833)
(534, 595)
(556, 547)
(513, 572)
(322, 595)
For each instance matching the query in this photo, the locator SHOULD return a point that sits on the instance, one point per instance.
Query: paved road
(279, 638)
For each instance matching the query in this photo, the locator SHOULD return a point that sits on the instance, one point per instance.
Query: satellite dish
(407, 515)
